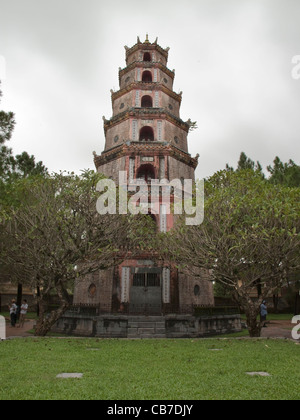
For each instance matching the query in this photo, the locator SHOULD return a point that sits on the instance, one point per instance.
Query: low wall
(171, 326)
(185, 326)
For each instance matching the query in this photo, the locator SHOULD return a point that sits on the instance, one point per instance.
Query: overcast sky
(232, 58)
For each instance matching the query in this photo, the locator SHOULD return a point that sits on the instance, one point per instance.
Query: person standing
(263, 313)
(23, 313)
(13, 313)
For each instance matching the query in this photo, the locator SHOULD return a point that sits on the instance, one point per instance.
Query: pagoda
(147, 140)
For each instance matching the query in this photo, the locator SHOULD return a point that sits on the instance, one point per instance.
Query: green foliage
(256, 216)
(246, 163)
(51, 235)
(7, 124)
(12, 167)
(250, 236)
(287, 174)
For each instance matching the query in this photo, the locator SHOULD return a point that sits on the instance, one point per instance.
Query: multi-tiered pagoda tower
(147, 139)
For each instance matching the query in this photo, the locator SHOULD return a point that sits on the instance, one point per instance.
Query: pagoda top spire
(147, 44)
(147, 40)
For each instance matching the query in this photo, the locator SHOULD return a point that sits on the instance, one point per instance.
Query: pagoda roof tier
(147, 45)
(155, 113)
(147, 64)
(147, 86)
(130, 148)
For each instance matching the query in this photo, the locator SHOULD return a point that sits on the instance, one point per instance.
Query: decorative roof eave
(108, 156)
(150, 86)
(133, 147)
(146, 46)
(156, 113)
(184, 157)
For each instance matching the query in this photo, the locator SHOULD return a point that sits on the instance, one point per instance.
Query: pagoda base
(139, 326)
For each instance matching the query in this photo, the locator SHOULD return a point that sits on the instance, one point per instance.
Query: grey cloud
(232, 61)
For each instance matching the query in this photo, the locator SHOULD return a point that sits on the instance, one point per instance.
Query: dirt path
(278, 329)
(19, 332)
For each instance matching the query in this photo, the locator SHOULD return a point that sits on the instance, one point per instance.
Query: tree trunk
(19, 294)
(38, 295)
(275, 303)
(19, 298)
(251, 310)
(297, 303)
(46, 321)
(254, 326)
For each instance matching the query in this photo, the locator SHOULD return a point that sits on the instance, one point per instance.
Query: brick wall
(187, 285)
(95, 289)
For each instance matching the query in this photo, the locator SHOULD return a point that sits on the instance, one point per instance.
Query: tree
(245, 163)
(250, 237)
(12, 166)
(55, 236)
(287, 174)
(7, 124)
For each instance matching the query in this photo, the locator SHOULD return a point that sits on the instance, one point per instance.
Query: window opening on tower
(146, 173)
(147, 56)
(147, 101)
(146, 134)
(147, 76)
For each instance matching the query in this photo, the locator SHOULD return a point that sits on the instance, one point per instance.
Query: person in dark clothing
(13, 310)
(263, 313)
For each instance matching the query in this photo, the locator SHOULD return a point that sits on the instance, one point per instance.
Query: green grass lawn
(148, 369)
(274, 317)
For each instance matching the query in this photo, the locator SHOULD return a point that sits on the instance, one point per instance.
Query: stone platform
(134, 327)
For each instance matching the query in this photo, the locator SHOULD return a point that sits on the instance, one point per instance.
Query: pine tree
(247, 163)
(7, 124)
(287, 174)
(12, 167)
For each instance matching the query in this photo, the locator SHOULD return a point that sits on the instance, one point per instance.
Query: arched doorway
(146, 172)
(147, 134)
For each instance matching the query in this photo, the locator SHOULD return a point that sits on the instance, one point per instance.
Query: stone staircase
(146, 327)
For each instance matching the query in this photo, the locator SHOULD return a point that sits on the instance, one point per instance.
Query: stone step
(145, 324)
(146, 327)
(152, 318)
(146, 331)
(160, 324)
(160, 331)
(145, 321)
